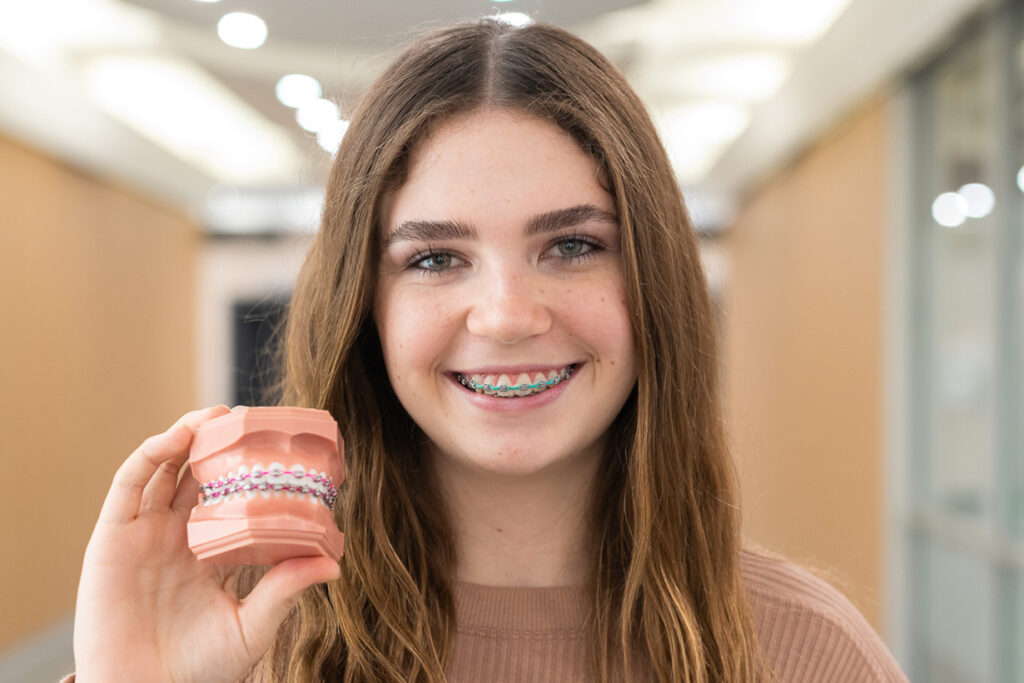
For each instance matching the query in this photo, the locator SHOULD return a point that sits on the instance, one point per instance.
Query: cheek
(413, 332)
(602, 316)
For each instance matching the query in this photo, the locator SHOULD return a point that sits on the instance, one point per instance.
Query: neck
(521, 530)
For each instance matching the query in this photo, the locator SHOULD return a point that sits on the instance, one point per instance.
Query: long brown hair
(665, 587)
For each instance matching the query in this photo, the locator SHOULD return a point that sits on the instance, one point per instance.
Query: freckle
(499, 531)
(401, 346)
(602, 299)
(612, 362)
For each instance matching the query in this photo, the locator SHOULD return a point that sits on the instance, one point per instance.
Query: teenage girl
(505, 311)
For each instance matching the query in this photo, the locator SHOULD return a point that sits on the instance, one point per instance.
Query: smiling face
(500, 305)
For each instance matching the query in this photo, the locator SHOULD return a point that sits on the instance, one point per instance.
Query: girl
(505, 311)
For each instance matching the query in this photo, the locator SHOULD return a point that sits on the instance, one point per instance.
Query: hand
(147, 609)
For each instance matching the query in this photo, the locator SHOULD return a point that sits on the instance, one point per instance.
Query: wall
(803, 356)
(96, 352)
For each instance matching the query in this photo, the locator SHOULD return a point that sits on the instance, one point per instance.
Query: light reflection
(980, 199)
(949, 209)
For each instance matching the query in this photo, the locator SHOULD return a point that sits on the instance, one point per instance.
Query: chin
(515, 460)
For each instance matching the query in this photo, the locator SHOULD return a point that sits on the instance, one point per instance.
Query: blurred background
(854, 167)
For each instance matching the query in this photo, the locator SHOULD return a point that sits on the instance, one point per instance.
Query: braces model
(322, 488)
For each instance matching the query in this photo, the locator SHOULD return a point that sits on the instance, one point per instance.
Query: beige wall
(803, 357)
(96, 352)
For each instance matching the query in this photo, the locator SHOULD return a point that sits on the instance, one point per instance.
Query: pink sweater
(808, 631)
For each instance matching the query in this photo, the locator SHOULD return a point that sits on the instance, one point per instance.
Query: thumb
(264, 610)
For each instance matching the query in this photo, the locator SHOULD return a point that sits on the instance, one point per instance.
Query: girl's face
(500, 267)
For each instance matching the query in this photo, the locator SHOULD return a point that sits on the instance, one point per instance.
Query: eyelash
(593, 248)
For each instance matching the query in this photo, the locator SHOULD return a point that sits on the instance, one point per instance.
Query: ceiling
(735, 86)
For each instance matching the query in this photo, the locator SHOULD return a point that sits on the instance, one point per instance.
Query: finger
(187, 495)
(160, 491)
(125, 496)
(264, 610)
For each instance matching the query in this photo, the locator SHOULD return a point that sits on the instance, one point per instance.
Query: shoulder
(808, 630)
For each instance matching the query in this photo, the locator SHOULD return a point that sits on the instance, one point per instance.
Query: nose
(510, 308)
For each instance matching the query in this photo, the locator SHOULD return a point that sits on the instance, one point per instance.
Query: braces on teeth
(320, 486)
(484, 388)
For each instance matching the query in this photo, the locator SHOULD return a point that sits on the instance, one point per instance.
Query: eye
(435, 261)
(432, 261)
(574, 248)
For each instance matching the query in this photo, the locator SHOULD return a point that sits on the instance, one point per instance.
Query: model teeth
(505, 386)
(274, 481)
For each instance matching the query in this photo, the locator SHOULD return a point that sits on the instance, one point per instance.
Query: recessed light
(517, 19)
(317, 115)
(241, 29)
(298, 90)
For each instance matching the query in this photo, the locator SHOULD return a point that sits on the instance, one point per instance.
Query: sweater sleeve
(809, 631)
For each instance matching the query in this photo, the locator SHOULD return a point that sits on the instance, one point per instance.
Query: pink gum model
(268, 482)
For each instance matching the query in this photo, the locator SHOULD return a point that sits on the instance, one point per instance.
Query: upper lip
(513, 369)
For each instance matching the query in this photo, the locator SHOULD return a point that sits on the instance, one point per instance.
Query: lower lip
(506, 405)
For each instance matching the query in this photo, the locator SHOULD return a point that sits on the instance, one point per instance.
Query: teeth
(273, 481)
(489, 384)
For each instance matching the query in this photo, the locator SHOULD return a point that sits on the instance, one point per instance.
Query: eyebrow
(428, 231)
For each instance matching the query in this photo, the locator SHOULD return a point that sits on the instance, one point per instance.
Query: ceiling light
(330, 137)
(696, 134)
(48, 33)
(241, 29)
(980, 199)
(182, 109)
(949, 209)
(317, 115)
(790, 21)
(297, 90)
(517, 19)
(749, 77)
(208, 1)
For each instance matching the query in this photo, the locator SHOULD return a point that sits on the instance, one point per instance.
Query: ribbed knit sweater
(808, 632)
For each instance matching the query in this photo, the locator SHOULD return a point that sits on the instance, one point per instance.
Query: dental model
(267, 480)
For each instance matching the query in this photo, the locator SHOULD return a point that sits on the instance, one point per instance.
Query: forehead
(495, 165)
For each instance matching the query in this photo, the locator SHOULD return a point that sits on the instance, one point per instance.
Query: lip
(498, 404)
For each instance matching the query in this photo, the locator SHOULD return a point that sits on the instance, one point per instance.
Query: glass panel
(1015, 237)
(1011, 629)
(959, 630)
(962, 260)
